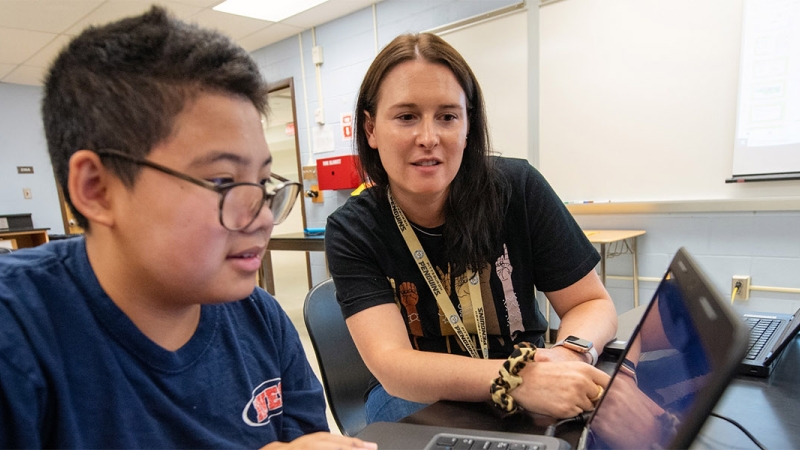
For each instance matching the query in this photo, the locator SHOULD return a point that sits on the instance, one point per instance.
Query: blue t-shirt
(76, 372)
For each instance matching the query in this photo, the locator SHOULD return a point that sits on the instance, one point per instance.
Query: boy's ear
(369, 128)
(89, 187)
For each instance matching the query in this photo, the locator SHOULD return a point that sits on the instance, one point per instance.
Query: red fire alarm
(338, 172)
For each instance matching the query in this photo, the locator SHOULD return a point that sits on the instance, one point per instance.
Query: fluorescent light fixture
(271, 10)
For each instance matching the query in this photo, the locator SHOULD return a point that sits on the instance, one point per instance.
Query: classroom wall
(22, 143)
(763, 244)
(638, 104)
(349, 46)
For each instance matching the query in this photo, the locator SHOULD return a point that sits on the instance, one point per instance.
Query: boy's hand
(322, 440)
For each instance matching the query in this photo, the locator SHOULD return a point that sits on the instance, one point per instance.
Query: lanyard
(429, 274)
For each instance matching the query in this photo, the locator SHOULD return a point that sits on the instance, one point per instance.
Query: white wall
(22, 143)
(765, 245)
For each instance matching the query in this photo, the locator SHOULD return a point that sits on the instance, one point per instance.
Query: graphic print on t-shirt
(265, 402)
(504, 269)
(409, 298)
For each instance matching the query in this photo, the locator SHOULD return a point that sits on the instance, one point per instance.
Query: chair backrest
(344, 375)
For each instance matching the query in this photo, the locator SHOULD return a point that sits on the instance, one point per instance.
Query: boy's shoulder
(40, 261)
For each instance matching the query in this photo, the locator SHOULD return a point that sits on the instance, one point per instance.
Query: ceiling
(33, 31)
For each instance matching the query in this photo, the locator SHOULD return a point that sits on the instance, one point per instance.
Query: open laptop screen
(673, 370)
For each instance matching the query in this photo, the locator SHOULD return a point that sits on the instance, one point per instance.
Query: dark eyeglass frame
(221, 189)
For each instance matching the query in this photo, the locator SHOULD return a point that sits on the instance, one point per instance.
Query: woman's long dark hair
(477, 199)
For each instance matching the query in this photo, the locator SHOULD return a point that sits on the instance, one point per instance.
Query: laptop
(770, 333)
(683, 353)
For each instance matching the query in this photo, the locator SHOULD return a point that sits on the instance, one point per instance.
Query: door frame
(276, 86)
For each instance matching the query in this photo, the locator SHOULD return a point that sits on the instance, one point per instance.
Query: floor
(291, 287)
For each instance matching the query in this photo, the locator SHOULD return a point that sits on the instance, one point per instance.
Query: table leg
(267, 279)
(635, 275)
(603, 263)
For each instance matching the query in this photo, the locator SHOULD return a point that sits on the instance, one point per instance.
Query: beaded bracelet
(509, 378)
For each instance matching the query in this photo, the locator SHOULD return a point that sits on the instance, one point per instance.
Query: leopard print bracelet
(509, 378)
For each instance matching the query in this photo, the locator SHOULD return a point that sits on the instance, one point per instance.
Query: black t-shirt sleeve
(355, 239)
(561, 249)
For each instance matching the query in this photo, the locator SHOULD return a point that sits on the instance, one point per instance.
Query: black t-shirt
(541, 246)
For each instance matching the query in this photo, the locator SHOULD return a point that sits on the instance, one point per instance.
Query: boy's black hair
(121, 85)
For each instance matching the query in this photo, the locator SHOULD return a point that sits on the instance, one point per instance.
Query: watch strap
(593, 353)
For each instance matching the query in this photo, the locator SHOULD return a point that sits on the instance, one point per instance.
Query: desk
(604, 237)
(289, 241)
(767, 408)
(27, 238)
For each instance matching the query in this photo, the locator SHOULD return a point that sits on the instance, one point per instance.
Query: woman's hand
(559, 389)
(322, 441)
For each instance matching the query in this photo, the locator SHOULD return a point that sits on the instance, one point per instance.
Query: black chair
(344, 375)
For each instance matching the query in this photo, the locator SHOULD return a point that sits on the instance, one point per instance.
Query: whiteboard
(768, 116)
(497, 51)
(638, 100)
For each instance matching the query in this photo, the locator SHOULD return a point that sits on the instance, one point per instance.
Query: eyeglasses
(239, 203)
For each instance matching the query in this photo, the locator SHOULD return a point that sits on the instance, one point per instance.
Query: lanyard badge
(429, 274)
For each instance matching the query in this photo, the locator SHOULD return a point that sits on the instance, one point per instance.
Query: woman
(482, 232)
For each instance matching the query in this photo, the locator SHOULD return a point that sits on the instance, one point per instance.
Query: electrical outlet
(26, 192)
(744, 289)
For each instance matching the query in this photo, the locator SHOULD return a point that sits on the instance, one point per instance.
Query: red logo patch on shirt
(266, 402)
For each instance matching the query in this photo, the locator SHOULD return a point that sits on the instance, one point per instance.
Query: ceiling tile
(34, 31)
(48, 53)
(266, 36)
(6, 69)
(117, 9)
(26, 75)
(52, 16)
(25, 44)
(229, 24)
(326, 12)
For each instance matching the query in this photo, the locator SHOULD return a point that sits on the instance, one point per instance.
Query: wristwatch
(579, 345)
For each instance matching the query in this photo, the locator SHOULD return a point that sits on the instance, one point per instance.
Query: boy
(148, 332)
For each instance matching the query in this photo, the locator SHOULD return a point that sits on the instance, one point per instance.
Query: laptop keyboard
(760, 332)
(449, 441)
